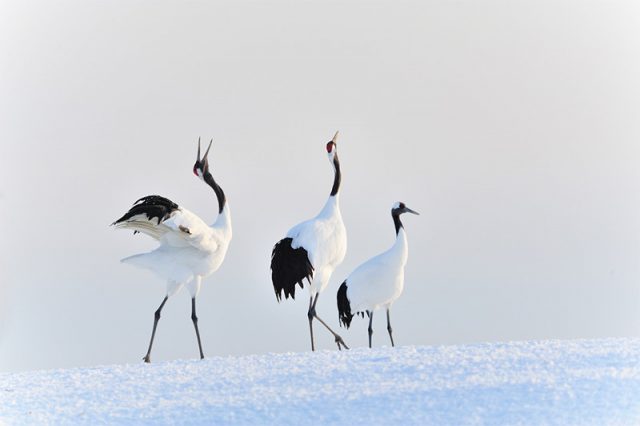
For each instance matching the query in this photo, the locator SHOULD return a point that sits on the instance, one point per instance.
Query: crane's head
(399, 207)
(201, 167)
(332, 148)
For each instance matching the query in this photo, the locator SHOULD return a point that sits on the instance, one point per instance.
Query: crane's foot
(146, 359)
(339, 342)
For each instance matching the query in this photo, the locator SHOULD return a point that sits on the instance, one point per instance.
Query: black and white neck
(337, 177)
(222, 200)
(332, 206)
(201, 170)
(224, 216)
(396, 221)
(332, 152)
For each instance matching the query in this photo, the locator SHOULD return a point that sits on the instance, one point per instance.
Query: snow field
(583, 382)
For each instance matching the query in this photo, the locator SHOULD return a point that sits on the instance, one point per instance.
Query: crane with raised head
(189, 249)
(312, 250)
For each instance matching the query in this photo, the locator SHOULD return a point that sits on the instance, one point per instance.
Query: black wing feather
(344, 307)
(153, 206)
(289, 267)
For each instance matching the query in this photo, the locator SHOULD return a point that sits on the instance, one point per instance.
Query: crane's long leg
(313, 314)
(389, 328)
(310, 314)
(194, 318)
(156, 318)
(370, 329)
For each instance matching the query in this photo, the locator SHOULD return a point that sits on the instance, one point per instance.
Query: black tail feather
(344, 307)
(151, 205)
(289, 267)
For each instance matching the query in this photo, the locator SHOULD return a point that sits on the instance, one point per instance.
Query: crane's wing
(319, 239)
(289, 266)
(291, 260)
(170, 224)
(147, 214)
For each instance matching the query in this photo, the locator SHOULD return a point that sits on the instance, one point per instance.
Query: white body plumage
(378, 282)
(325, 239)
(183, 258)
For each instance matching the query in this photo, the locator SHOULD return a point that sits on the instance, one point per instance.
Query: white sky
(513, 127)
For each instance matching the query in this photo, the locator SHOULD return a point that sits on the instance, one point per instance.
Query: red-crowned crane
(312, 250)
(378, 282)
(189, 250)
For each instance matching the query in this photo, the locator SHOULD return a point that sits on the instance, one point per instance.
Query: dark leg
(156, 318)
(194, 318)
(389, 328)
(313, 314)
(310, 314)
(370, 314)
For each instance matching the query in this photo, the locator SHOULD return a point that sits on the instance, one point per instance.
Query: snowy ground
(585, 382)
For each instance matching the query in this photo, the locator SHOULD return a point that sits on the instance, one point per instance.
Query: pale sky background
(513, 127)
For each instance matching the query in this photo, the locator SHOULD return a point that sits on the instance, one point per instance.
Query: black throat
(216, 188)
(396, 221)
(337, 177)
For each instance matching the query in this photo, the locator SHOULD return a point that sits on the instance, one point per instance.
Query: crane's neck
(401, 247)
(223, 221)
(397, 223)
(331, 207)
(337, 177)
(222, 200)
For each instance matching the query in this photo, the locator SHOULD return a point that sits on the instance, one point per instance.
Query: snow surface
(583, 382)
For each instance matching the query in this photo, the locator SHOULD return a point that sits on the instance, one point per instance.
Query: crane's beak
(204, 161)
(208, 148)
(408, 210)
(335, 137)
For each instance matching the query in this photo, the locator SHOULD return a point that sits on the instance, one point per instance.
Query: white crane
(189, 250)
(378, 282)
(312, 250)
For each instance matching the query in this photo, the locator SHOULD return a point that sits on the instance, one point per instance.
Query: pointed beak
(335, 137)
(204, 161)
(207, 151)
(408, 210)
(205, 158)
